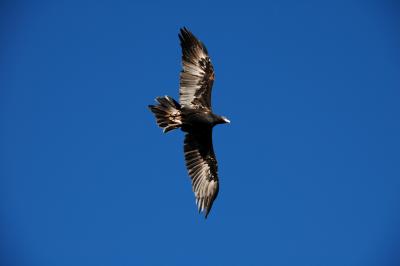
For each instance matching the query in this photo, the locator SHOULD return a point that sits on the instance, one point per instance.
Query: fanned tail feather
(167, 113)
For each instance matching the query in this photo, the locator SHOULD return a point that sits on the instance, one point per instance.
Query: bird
(193, 115)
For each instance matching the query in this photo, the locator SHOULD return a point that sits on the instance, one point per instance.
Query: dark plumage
(194, 116)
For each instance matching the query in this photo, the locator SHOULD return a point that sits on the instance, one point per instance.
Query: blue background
(309, 166)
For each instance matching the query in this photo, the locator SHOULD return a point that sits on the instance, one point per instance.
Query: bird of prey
(193, 115)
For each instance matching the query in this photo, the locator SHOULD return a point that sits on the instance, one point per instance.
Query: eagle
(193, 115)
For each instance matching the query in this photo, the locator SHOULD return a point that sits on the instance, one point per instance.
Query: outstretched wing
(197, 75)
(202, 167)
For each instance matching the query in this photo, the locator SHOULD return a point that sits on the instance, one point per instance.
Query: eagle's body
(193, 119)
(194, 116)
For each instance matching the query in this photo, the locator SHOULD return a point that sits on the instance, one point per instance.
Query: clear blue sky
(309, 166)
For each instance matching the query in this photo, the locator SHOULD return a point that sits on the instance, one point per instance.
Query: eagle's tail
(167, 112)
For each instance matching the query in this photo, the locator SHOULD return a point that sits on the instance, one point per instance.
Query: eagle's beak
(226, 120)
